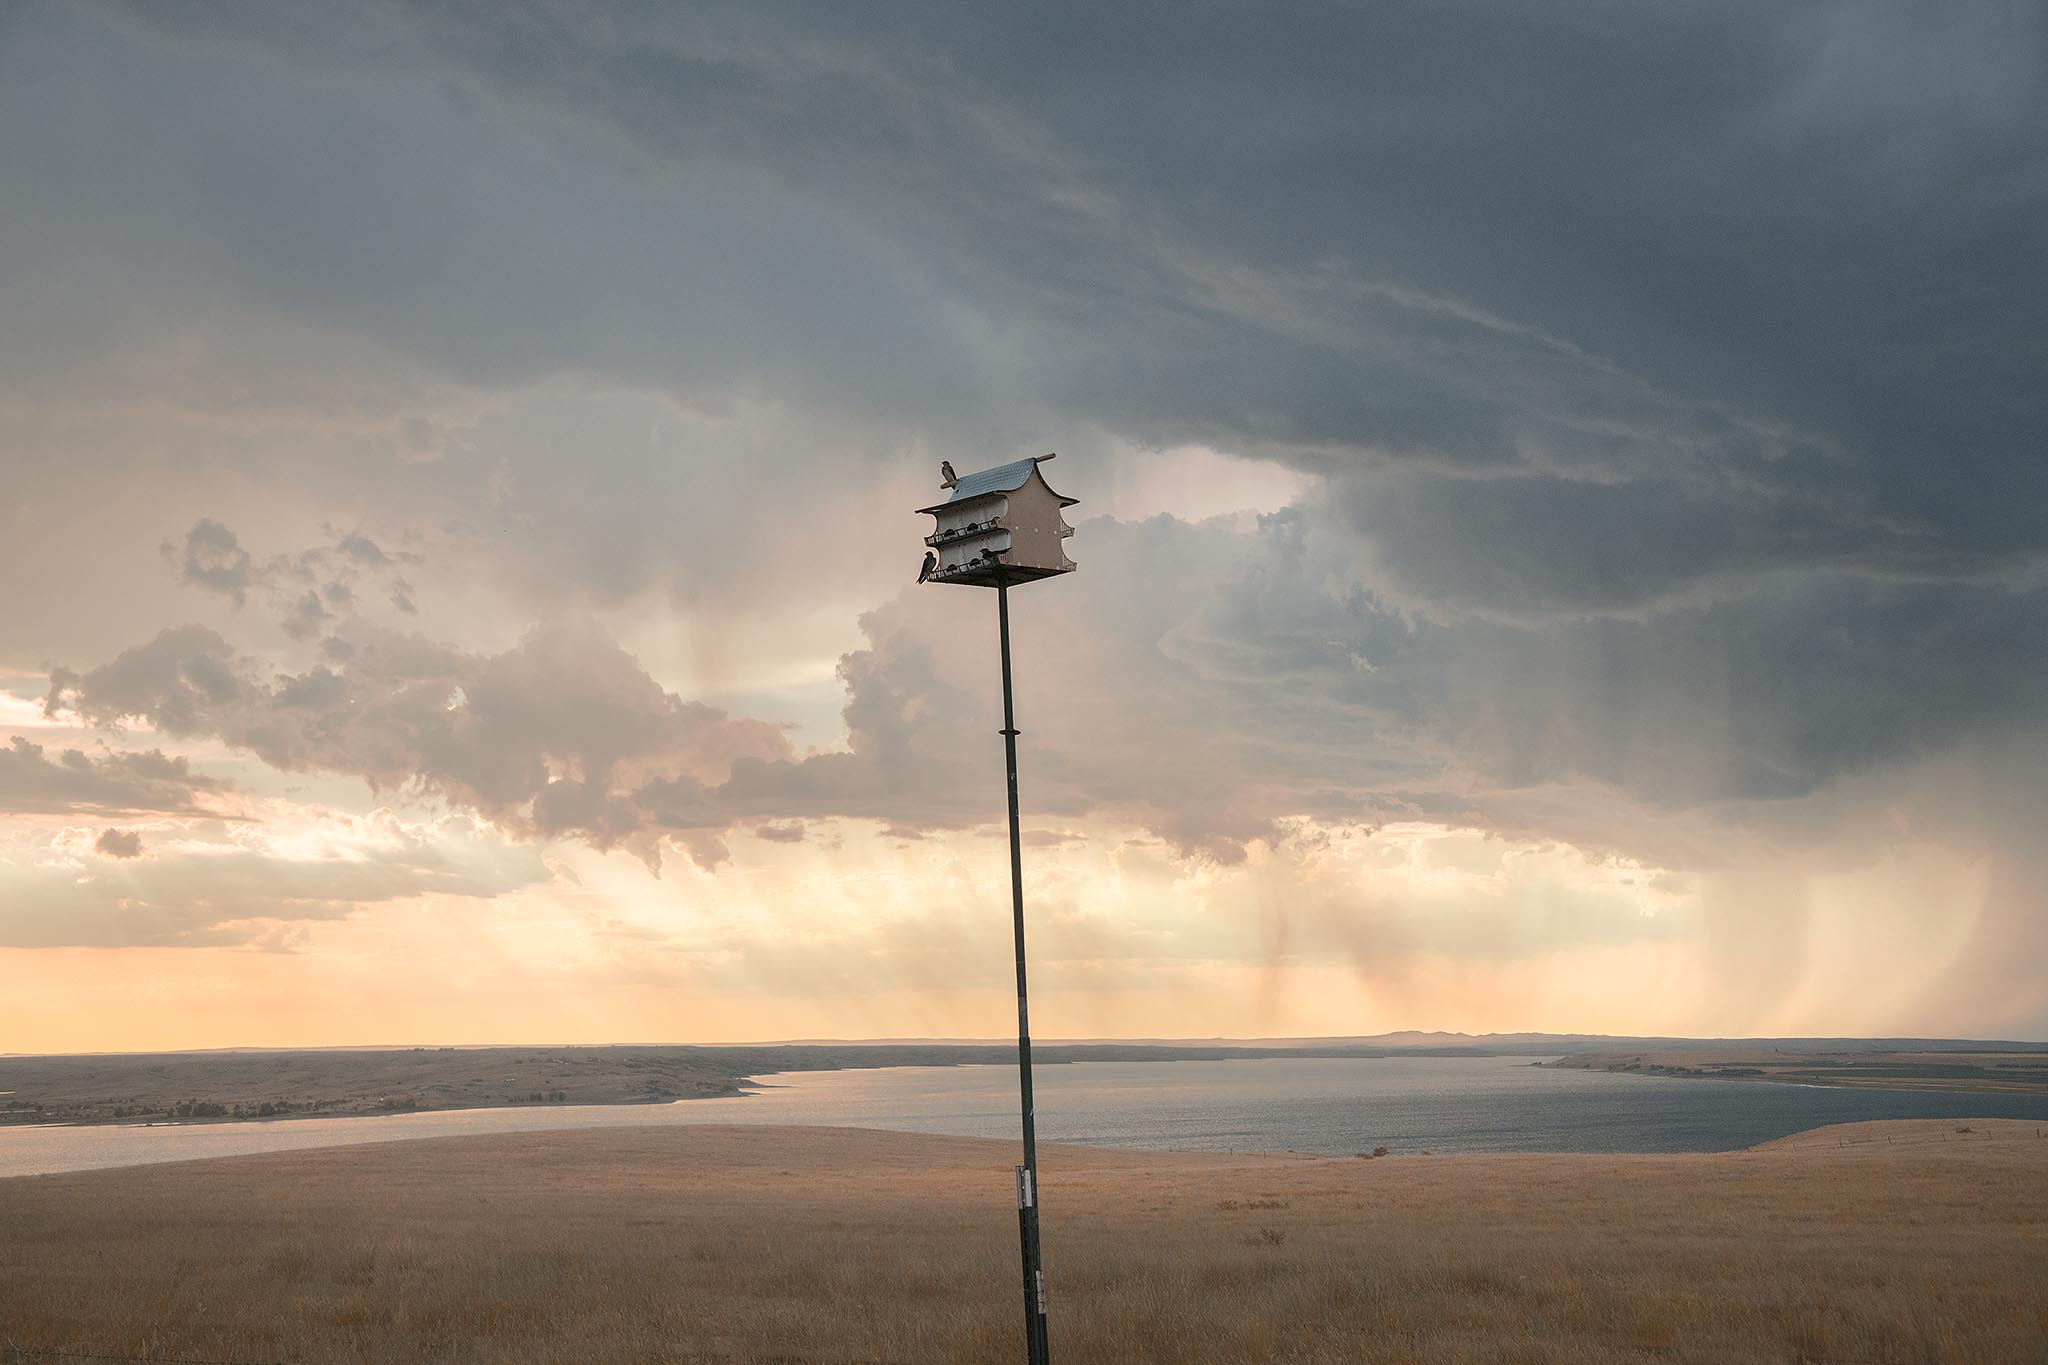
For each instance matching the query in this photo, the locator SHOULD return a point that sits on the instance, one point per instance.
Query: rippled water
(1335, 1106)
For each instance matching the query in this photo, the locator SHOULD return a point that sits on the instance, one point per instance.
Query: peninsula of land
(1971, 1068)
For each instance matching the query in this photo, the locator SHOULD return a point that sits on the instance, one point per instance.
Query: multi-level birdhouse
(1002, 525)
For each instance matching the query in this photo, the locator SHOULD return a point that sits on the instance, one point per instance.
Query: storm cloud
(1757, 321)
(1655, 392)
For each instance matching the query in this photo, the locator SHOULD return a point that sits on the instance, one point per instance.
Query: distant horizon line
(1289, 1040)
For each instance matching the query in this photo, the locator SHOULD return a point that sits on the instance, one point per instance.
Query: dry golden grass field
(1895, 1242)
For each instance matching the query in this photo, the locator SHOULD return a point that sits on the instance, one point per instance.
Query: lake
(1336, 1106)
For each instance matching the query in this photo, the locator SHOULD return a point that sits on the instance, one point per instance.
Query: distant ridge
(1442, 1039)
(1510, 1044)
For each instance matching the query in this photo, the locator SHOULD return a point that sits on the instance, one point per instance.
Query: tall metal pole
(1035, 1342)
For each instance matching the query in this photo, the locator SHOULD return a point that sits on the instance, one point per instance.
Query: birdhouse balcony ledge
(975, 528)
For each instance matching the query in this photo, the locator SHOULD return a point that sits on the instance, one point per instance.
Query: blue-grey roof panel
(1004, 478)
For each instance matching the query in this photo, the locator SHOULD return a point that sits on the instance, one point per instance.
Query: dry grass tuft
(1891, 1243)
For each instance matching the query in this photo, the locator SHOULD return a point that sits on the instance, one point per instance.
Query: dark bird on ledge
(947, 478)
(931, 561)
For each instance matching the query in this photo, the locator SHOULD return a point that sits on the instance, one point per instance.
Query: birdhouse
(1002, 525)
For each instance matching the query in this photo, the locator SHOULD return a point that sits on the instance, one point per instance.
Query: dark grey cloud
(1579, 313)
(1203, 682)
(215, 560)
(33, 781)
(409, 222)
(361, 549)
(1724, 289)
(1802, 682)
(307, 588)
(119, 843)
(309, 615)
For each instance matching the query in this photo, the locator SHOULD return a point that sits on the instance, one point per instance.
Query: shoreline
(2008, 1071)
(745, 1087)
(1964, 1124)
(323, 1083)
(8, 1125)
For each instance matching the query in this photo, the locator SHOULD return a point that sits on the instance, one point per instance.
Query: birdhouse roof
(1004, 478)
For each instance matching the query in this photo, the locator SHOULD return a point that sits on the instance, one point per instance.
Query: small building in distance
(1001, 525)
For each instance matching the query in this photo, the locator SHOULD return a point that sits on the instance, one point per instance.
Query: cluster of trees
(547, 1097)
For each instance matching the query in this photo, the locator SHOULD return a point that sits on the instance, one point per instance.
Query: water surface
(1336, 1106)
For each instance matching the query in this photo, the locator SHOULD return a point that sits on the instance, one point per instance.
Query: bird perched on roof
(947, 478)
(931, 561)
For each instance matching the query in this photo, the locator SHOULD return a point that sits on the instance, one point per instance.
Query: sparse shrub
(1226, 1204)
(1379, 1151)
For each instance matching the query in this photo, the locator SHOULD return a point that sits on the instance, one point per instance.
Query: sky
(1560, 526)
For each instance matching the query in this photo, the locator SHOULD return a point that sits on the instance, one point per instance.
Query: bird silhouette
(931, 561)
(947, 478)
